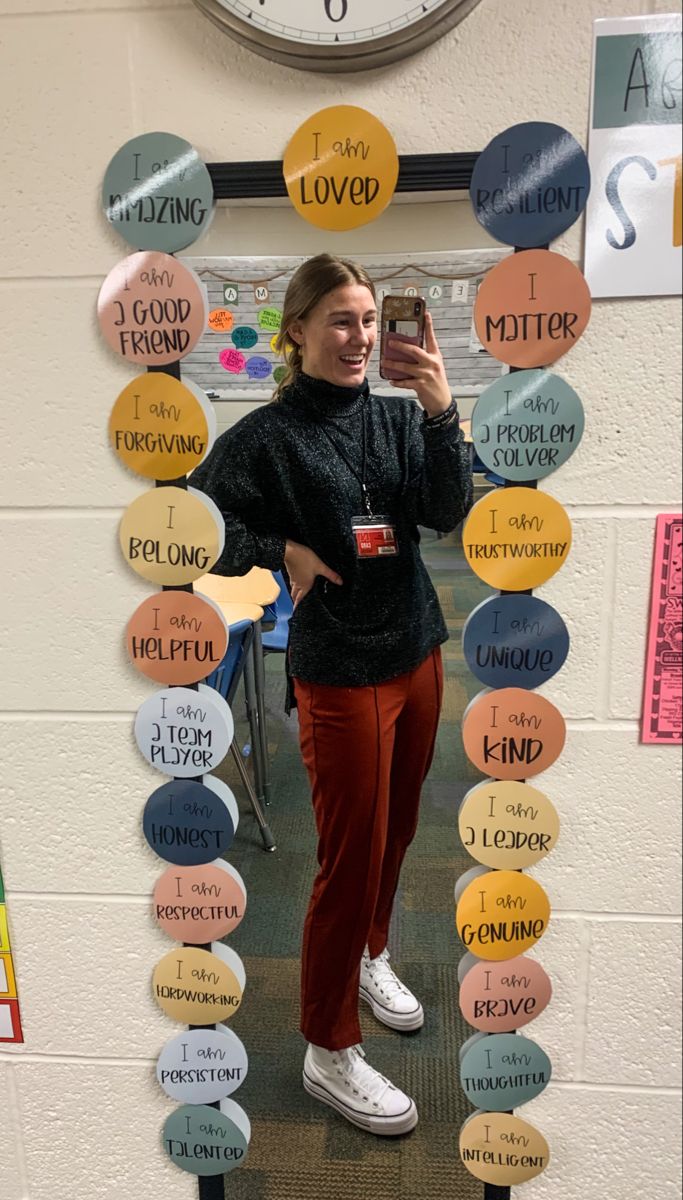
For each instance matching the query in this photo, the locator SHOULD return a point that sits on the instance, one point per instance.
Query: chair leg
(260, 681)
(252, 715)
(266, 835)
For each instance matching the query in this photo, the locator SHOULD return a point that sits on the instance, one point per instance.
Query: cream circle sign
(508, 825)
(172, 536)
(184, 733)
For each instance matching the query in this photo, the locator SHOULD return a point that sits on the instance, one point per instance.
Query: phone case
(397, 311)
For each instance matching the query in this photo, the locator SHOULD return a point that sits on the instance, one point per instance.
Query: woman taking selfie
(331, 483)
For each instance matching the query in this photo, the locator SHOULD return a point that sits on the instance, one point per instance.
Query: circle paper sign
(172, 536)
(526, 425)
(507, 825)
(530, 184)
(532, 308)
(152, 309)
(204, 1141)
(503, 1150)
(500, 997)
(185, 733)
(196, 987)
(159, 428)
(158, 193)
(199, 904)
(515, 641)
(341, 168)
(502, 914)
(177, 637)
(503, 1071)
(187, 824)
(512, 733)
(202, 1066)
(516, 538)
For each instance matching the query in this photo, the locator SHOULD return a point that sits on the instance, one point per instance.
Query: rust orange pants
(367, 751)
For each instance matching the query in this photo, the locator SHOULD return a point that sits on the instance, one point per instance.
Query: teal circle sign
(204, 1141)
(500, 1072)
(157, 193)
(527, 424)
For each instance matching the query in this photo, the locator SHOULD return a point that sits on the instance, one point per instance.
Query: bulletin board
(237, 361)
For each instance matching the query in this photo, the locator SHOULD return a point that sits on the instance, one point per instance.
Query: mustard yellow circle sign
(159, 428)
(171, 536)
(341, 168)
(197, 987)
(516, 538)
(502, 914)
(503, 1150)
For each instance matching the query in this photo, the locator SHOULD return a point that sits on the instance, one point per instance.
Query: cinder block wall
(80, 1112)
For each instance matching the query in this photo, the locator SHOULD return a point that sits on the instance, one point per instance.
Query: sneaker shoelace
(362, 1079)
(385, 978)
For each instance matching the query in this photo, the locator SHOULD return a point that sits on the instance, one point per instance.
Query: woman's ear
(295, 333)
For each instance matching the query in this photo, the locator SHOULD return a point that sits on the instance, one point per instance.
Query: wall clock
(335, 35)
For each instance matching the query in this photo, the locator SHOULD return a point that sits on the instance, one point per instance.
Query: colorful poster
(663, 700)
(10, 1019)
(634, 216)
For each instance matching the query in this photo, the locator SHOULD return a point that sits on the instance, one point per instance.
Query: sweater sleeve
(438, 491)
(237, 482)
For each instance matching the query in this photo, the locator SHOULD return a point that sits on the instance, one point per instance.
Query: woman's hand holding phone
(420, 369)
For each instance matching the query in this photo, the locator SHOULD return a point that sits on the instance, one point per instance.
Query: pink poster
(663, 701)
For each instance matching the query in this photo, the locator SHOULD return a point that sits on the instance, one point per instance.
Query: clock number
(344, 10)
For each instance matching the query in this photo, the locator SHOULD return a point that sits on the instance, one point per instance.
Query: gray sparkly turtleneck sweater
(276, 475)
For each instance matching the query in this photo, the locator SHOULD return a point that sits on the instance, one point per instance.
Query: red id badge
(375, 537)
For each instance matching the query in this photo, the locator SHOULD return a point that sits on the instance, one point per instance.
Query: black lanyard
(363, 476)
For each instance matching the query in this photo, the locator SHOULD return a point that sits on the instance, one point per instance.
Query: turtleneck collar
(325, 399)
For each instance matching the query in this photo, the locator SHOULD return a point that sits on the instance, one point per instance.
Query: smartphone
(402, 320)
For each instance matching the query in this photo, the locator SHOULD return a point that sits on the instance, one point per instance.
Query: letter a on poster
(634, 217)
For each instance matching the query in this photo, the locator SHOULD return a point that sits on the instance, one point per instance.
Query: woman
(331, 483)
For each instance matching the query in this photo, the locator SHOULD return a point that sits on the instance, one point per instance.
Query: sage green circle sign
(157, 193)
(203, 1140)
(526, 425)
(503, 1071)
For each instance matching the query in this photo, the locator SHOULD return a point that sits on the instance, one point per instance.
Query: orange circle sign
(159, 428)
(341, 168)
(177, 638)
(516, 538)
(501, 914)
(532, 308)
(512, 733)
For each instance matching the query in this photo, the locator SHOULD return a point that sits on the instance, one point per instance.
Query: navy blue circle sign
(530, 184)
(515, 641)
(187, 824)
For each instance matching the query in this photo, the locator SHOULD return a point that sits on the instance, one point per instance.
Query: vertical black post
(210, 1186)
(491, 1190)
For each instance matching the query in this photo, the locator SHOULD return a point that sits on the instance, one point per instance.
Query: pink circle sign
(498, 997)
(200, 904)
(152, 309)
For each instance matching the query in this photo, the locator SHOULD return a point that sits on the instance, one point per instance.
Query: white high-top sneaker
(344, 1080)
(390, 1000)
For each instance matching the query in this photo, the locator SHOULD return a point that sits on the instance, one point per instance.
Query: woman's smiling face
(338, 336)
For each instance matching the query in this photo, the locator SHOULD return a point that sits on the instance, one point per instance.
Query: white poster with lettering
(634, 217)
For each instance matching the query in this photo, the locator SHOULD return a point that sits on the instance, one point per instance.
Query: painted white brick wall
(78, 80)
